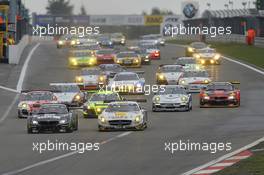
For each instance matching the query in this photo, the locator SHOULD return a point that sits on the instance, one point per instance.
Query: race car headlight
(136, 60)
(60, 42)
(123, 40)
(197, 56)
(77, 97)
(197, 67)
(92, 60)
(138, 119)
(73, 61)
(63, 121)
(202, 61)
(98, 110)
(138, 85)
(34, 122)
(102, 119)
(147, 57)
(182, 82)
(206, 97)
(24, 106)
(79, 79)
(190, 49)
(206, 81)
(161, 77)
(212, 61)
(184, 99)
(118, 61)
(73, 42)
(231, 97)
(101, 78)
(217, 56)
(156, 99)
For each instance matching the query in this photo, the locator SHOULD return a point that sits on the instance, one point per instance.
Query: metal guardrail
(259, 41)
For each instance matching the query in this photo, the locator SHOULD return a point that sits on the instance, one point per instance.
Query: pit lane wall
(15, 51)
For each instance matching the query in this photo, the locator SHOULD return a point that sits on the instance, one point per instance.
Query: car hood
(172, 75)
(195, 80)
(65, 97)
(171, 98)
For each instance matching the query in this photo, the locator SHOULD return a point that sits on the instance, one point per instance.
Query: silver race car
(123, 115)
(127, 82)
(189, 64)
(172, 98)
(169, 74)
(68, 94)
(194, 81)
(208, 56)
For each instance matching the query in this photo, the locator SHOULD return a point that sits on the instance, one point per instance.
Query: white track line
(224, 157)
(61, 156)
(9, 108)
(24, 69)
(9, 89)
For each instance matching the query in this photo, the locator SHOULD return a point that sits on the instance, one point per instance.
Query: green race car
(79, 58)
(98, 102)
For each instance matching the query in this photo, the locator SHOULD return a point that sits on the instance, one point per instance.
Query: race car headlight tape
(138, 119)
(190, 49)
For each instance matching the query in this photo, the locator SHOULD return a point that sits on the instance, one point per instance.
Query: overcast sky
(129, 6)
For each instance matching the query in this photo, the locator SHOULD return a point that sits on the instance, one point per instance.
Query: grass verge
(250, 54)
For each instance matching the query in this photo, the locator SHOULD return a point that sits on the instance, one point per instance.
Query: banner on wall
(153, 20)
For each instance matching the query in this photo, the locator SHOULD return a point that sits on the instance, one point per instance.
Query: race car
(125, 115)
(128, 59)
(111, 69)
(127, 82)
(143, 53)
(194, 81)
(105, 41)
(153, 38)
(64, 41)
(105, 56)
(189, 64)
(118, 38)
(207, 56)
(78, 58)
(88, 47)
(98, 102)
(191, 49)
(91, 79)
(52, 117)
(220, 94)
(151, 49)
(172, 98)
(31, 100)
(68, 94)
(169, 74)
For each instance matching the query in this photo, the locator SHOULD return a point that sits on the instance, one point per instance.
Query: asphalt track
(140, 153)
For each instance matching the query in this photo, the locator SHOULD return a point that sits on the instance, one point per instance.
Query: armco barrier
(15, 51)
(259, 41)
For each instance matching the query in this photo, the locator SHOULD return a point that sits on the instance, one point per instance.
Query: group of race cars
(98, 91)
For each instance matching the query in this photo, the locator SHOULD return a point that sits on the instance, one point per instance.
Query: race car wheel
(76, 125)
(69, 129)
(29, 130)
(100, 128)
(141, 127)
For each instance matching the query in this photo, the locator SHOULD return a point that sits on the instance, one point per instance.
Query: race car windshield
(105, 52)
(37, 97)
(172, 91)
(91, 72)
(126, 77)
(195, 74)
(223, 87)
(52, 109)
(122, 108)
(104, 97)
(122, 55)
(82, 54)
(206, 51)
(171, 69)
(198, 45)
(185, 61)
(66, 88)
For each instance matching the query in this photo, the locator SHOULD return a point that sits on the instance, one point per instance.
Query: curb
(224, 163)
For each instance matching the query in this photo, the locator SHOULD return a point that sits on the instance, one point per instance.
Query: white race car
(123, 115)
(127, 82)
(207, 56)
(172, 98)
(194, 81)
(91, 79)
(68, 94)
(189, 64)
(169, 74)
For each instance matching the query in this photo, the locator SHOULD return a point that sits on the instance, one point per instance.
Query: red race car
(31, 100)
(220, 94)
(105, 56)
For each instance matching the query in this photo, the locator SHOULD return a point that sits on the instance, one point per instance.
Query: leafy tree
(59, 7)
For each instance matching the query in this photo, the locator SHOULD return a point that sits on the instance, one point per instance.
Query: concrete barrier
(15, 51)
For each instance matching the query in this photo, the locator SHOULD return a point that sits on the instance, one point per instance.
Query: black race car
(52, 117)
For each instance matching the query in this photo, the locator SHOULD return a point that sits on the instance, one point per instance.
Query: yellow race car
(81, 58)
(128, 59)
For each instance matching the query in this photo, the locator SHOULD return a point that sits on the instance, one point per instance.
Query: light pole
(231, 3)
(208, 5)
(244, 4)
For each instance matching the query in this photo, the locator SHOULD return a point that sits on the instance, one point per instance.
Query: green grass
(251, 166)
(251, 54)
